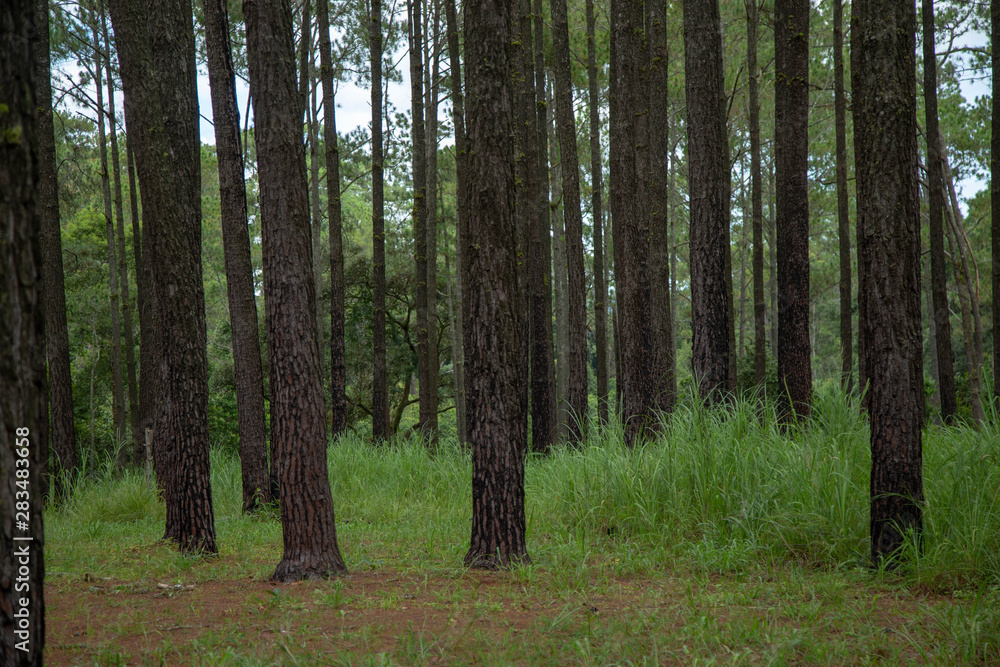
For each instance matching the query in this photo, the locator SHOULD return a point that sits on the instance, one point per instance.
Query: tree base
(309, 569)
(495, 561)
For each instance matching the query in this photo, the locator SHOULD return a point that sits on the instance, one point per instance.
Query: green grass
(724, 539)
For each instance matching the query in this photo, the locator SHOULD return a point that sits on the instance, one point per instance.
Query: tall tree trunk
(597, 218)
(461, 212)
(316, 225)
(249, 375)
(559, 276)
(159, 77)
(544, 417)
(117, 384)
(791, 156)
(708, 174)
(305, 49)
(62, 433)
(932, 345)
(380, 382)
(995, 191)
(663, 371)
(298, 423)
(23, 411)
(884, 84)
(576, 286)
(843, 214)
(756, 204)
(419, 171)
(773, 258)
(338, 368)
(494, 318)
(935, 204)
(526, 182)
(431, 140)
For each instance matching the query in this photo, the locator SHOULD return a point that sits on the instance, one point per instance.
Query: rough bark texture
(935, 206)
(708, 174)
(159, 77)
(884, 83)
(60, 391)
(249, 376)
(995, 192)
(431, 56)
(316, 224)
(597, 219)
(559, 278)
(843, 214)
(23, 413)
(494, 319)
(380, 381)
(338, 366)
(419, 212)
(756, 205)
(298, 423)
(576, 286)
(663, 371)
(791, 157)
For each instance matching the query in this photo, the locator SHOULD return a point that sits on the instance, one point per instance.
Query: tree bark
(338, 366)
(298, 423)
(249, 375)
(559, 277)
(494, 318)
(791, 156)
(995, 192)
(884, 83)
(431, 142)
(419, 212)
(597, 218)
(23, 410)
(62, 433)
(708, 174)
(316, 224)
(843, 214)
(380, 382)
(756, 199)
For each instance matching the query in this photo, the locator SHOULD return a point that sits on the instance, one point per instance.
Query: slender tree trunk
(305, 49)
(995, 192)
(708, 174)
(559, 269)
(316, 225)
(338, 368)
(756, 204)
(884, 103)
(597, 218)
(494, 319)
(773, 258)
(93, 373)
(298, 423)
(843, 214)
(62, 433)
(419, 213)
(932, 345)
(461, 212)
(117, 384)
(23, 393)
(791, 156)
(249, 376)
(664, 380)
(431, 141)
(745, 213)
(380, 382)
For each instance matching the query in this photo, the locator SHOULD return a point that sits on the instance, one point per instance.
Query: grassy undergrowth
(721, 504)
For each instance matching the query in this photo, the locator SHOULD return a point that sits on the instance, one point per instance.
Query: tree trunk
(117, 384)
(708, 174)
(935, 205)
(298, 423)
(597, 218)
(23, 410)
(249, 375)
(494, 318)
(663, 371)
(995, 192)
(305, 48)
(419, 212)
(576, 286)
(461, 212)
(316, 225)
(932, 345)
(62, 433)
(380, 382)
(884, 83)
(791, 156)
(843, 214)
(559, 276)
(773, 258)
(756, 205)
(338, 368)
(431, 141)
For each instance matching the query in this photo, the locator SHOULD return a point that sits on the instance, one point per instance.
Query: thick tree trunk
(419, 212)
(494, 318)
(597, 219)
(663, 371)
(338, 367)
(576, 287)
(298, 424)
(756, 205)
(884, 83)
(843, 214)
(708, 174)
(431, 74)
(23, 411)
(380, 382)
(62, 433)
(791, 156)
(935, 204)
(249, 376)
